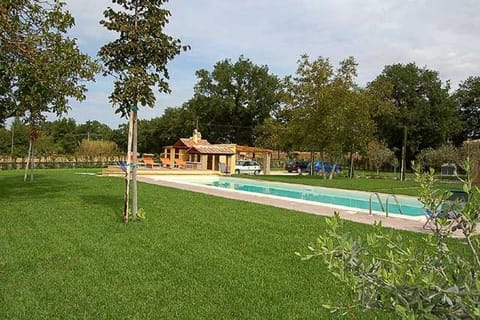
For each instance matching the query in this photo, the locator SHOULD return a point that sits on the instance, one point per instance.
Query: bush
(430, 282)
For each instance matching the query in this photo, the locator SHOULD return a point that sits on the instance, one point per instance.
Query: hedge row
(54, 165)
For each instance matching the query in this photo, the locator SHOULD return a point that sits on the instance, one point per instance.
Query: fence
(56, 165)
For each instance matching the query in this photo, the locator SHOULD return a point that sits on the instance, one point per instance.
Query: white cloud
(441, 35)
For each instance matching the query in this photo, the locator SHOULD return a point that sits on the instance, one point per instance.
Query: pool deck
(317, 209)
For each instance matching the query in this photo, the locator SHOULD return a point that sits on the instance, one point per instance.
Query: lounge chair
(166, 163)
(179, 163)
(447, 211)
(149, 162)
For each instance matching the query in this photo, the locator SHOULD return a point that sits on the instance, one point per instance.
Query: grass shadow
(13, 188)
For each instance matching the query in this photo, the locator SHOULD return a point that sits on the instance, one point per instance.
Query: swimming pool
(354, 200)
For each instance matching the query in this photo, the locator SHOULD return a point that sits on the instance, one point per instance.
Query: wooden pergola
(266, 153)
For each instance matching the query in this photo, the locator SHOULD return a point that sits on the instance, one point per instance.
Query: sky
(441, 35)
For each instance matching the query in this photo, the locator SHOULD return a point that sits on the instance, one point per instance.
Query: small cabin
(198, 153)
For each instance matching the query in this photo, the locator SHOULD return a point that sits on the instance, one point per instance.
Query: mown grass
(385, 185)
(65, 253)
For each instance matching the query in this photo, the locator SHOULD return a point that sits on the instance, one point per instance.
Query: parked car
(296, 166)
(248, 167)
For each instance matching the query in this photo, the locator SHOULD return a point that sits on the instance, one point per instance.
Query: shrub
(427, 282)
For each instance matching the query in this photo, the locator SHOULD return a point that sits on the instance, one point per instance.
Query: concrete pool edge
(393, 221)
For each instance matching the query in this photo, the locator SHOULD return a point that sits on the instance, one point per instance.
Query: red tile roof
(211, 149)
(187, 142)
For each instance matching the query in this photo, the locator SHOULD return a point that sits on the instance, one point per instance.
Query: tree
(378, 154)
(94, 130)
(63, 133)
(272, 134)
(326, 111)
(138, 60)
(156, 133)
(234, 99)
(467, 98)
(20, 138)
(5, 141)
(422, 105)
(434, 158)
(41, 68)
(119, 136)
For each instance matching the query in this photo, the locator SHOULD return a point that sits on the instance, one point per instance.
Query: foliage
(470, 150)
(272, 134)
(422, 104)
(45, 146)
(56, 138)
(232, 100)
(141, 215)
(138, 57)
(467, 98)
(94, 149)
(436, 157)
(379, 154)
(63, 133)
(41, 66)
(94, 130)
(45, 67)
(156, 133)
(325, 109)
(431, 282)
(431, 197)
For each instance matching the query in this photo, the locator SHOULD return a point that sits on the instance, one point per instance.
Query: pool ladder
(387, 203)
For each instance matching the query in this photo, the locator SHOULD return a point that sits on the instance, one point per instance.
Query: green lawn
(385, 185)
(65, 253)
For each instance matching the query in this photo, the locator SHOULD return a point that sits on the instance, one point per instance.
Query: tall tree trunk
(126, 207)
(312, 162)
(28, 160)
(404, 155)
(350, 169)
(134, 168)
(322, 156)
(32, 161)
(330, 175)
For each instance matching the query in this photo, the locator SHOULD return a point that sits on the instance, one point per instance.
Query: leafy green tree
(42, 66)
(326, 110)
(119, 136)
(467, 98)
(63, 133)
(422, 105)
(20, 138)
(234, 99)
(156, 133)
(272, 134)
(5, 141)
(434, 158)
(138, 60)
(378, 154)
(94, 130)
(46, 147)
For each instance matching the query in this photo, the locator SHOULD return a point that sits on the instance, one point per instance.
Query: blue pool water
(353, 199)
